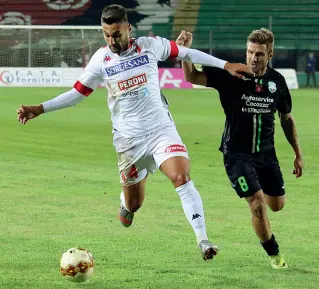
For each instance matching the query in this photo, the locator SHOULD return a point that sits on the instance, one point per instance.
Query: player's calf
(133, 198)
(125, 216)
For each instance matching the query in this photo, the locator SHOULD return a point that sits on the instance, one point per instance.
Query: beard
(255, 67)
(115, 49)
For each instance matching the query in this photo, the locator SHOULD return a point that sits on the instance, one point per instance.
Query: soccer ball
(76, 265)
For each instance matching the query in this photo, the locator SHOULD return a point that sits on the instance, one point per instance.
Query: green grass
(60, 188)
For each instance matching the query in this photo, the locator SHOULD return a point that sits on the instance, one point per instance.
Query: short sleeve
(91, 77)
(284, 104)
(216, 77)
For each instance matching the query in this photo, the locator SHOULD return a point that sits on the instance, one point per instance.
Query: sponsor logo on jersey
(127, 65)
(257, 104)
(175, 148)
(131, 82)
(257, 101)
(107, 58)
(130, 93)
(259, 88)
(255, 110)
(144, 92)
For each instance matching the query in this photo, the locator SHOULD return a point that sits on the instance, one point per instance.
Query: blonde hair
(263, 36)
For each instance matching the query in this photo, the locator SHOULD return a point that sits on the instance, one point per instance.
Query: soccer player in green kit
(248, 139)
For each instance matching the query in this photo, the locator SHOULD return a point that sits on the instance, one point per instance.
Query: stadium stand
(294, 23)
(218, 27)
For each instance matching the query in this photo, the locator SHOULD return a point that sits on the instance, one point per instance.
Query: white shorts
(138, 156)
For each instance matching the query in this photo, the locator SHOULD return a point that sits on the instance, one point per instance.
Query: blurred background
(219, 27)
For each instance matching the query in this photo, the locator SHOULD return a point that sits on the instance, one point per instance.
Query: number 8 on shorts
(243, 184)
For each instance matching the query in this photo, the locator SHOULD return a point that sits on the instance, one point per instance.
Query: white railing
(48, 45)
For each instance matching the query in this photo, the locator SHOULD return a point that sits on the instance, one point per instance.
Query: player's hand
(235, 69)
(26, 113)
(298, 164)
(185, 39)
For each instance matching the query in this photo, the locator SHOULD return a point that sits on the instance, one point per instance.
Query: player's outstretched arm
(88, 81)
(70, 98)
(289, 127)
(26, 113)
(191, 74)
(184, 41)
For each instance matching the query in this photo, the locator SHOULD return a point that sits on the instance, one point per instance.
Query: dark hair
(114, 14)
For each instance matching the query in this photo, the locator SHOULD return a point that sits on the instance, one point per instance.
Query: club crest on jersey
(127, 65)
(131, 82)
(272, 86)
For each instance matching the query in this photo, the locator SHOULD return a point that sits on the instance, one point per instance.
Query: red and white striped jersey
(132, 82)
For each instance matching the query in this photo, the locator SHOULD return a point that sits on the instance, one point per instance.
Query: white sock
(193, 209)
(122, 198)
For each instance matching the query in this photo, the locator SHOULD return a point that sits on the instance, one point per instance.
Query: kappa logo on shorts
(175, 148)
(131, 82)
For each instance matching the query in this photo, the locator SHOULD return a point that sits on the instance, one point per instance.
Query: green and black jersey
(249, 106)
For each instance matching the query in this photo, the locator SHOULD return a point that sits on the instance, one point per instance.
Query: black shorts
(249, 173)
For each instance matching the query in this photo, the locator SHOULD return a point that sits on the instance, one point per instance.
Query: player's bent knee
(179, 179)
(277, 207)
(275, 204)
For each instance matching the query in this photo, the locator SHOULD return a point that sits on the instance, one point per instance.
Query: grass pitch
(60, 188)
